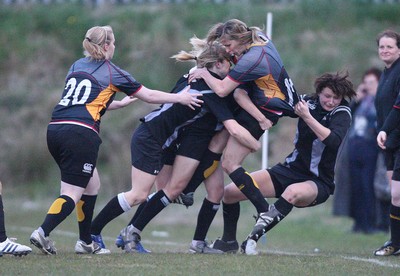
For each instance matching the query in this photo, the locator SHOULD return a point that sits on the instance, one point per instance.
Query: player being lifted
(260, 74)
(158, 131)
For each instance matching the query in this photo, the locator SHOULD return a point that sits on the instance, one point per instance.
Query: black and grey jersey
(260, 71)
(387, 101)
(169, 120)
(313, 156)
(90, 87)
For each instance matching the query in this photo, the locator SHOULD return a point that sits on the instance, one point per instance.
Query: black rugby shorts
(75, 150)
(193, 143)
(282, 177)
(146, 152)
(392, 160)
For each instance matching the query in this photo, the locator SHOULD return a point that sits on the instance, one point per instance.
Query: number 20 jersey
(90, 87)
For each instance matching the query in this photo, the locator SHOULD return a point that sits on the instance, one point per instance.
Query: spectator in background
(343, 203)
(363, 153)
(387, 105)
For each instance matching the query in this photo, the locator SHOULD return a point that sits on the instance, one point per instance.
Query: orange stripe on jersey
(270, 88)
(100, 103)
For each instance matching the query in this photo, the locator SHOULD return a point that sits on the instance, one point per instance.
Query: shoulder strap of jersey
(340, 108)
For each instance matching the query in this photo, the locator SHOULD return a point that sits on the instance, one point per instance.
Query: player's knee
(292, 195)
(229, 195)
(134, 197)
(216, 194)
(173, 192)
(228, 166)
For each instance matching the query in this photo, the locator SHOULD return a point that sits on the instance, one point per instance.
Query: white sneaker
(45, 244)
(82, 247)
(9, 246)
(202, 247)
(249, 247)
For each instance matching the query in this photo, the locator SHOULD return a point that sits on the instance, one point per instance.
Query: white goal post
(264, 163)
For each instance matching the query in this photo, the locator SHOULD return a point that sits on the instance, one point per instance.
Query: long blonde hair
(94, 41)
(234, 29)
(205, 54)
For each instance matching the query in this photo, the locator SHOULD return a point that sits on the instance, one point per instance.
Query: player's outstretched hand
(190, 99)
(127, 100)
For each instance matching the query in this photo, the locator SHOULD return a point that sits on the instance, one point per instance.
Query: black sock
(395, 225)
(248, 187)
(231, 213)
(138, 211)
(3, 235)
(61, 208)
(84, 214)
(154, 206)
(283, 206)
(206, 215)
(208, 164)
(112, 210)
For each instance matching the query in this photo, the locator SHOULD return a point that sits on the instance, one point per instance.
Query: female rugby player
(73, 133)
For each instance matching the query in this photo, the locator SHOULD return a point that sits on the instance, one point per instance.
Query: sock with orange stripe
(395, 225)
(248, 187)
(59, 210)
(84, 214)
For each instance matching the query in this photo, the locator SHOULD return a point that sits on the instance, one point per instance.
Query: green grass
(308, 242)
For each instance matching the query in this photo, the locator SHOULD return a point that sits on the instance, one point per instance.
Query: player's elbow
(221, 92)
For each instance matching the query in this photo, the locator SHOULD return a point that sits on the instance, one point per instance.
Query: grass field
(308, 242)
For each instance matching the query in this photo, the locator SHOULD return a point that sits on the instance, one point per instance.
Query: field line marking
(374, 261)
(277, 252)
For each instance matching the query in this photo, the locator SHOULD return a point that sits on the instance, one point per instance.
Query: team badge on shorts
(87, 168)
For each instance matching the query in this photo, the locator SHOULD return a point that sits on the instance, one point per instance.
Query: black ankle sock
(231, 213)
(58, 212)
(3, 235)
(283, 206)
(138, 211)
(208, 164)
(84, 213)
(206, 215)
(154, 206)
(112, 210)
(395, 225)
(248, 187)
